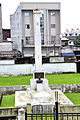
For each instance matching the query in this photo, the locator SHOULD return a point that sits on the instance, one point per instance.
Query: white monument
(38, 56)
(39, 93)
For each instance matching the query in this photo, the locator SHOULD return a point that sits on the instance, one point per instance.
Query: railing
(8, 117)
(53, 116)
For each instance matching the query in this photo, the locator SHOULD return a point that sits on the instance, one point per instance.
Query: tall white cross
(37, 40)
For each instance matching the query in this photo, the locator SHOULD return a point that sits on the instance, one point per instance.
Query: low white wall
(7, 62)
(60, 67)
(23, 69)
(16, 69)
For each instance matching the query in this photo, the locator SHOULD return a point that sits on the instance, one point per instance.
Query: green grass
(74, 97)
(63, 78)
(52, 79)
(8, 101)
(15, 80)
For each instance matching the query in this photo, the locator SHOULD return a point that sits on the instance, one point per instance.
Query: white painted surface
(22, 69)
(6, 62)
(6, 46)
(56, 59)
(59, 67)
(33, 84)
(37, 39)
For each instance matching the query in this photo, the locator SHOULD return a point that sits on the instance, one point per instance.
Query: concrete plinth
(21, 114)
(44, 98)
(33, 84)
(40, 87)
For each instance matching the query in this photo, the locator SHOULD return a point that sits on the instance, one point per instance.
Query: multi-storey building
(0, 23)
(22, 30)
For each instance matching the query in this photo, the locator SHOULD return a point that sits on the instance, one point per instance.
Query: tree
(77, 41)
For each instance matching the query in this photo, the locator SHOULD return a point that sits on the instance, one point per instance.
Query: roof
(67, 54)
(64, 38)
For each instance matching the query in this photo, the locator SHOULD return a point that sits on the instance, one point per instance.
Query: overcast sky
(70, 12)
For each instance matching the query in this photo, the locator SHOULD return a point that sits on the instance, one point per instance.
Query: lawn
(74, 97)
(9, 100)
(15, 80)
(52, 79)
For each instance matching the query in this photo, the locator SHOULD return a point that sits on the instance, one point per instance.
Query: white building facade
(22, 27)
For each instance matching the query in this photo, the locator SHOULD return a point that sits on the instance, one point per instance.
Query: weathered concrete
(47, 97)
(21, 114)
(11, 89)
(72, 88)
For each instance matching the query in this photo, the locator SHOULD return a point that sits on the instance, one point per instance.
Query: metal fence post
(56, 104)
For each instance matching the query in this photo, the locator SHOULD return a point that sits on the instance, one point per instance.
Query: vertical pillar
(37, 39)
(29, 108)
(21, 114)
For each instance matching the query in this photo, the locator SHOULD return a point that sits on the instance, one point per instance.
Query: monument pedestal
(33, 84)
(40, 87)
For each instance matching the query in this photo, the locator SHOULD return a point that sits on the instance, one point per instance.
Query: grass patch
(63, 78)
(8, 101)
(15, 80)
(52, 79)
(74, 97)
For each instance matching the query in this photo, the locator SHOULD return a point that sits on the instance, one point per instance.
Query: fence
(10, 117)
(53, 116)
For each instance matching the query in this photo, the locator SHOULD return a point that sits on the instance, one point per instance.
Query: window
(27, 26)
(52, 25)
(27, 40)
(52, 13)
(70, 34)
(53, 39)
(26, 14)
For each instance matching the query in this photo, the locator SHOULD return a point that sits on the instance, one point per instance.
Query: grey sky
(70, 17)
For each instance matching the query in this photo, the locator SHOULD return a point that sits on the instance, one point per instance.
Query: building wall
(19, 18)
(0, 23)
(6, 46)
(16, 29)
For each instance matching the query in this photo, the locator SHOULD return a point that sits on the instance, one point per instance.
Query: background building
(6, 34)
(22, 31)
(0, 23)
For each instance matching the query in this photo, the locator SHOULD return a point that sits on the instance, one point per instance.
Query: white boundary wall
(7, 62)
(23, 69)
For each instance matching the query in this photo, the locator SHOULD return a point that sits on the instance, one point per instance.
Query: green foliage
(8, 101)
(77, 42)
(74, 97)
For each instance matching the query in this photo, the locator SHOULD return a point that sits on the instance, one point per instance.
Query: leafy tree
(77, 41)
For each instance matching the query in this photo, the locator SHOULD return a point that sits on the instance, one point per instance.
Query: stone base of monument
(34, 85)
(44, 98)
